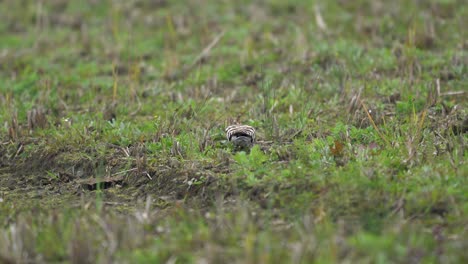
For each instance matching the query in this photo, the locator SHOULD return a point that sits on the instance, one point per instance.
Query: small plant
(251, 165)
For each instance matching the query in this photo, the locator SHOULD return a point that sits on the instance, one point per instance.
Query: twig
(373, 123)
(19, 151)
(205, 53)
(207, 50)
(115, 203)
(138, 107)
(120, 172)
(296, 134)
(319, 19)
(125, 151)
(453, 93)
(438, 87)
(149, 176)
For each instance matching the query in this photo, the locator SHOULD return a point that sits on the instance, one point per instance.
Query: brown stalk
(373, 123)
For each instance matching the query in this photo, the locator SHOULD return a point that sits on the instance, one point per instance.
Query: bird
(242, 136)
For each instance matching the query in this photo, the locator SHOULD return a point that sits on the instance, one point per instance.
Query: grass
(112, 145)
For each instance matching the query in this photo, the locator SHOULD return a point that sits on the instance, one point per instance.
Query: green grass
(361, 125)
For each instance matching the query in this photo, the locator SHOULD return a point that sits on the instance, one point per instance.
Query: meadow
(113, 150)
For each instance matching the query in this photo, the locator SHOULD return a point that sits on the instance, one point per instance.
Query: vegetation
(112, 145)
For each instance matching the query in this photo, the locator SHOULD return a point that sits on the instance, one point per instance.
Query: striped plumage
(242, 136)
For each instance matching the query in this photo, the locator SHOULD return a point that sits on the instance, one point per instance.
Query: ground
(112, 145)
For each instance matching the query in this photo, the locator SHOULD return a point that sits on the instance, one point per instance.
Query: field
(113, 150)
